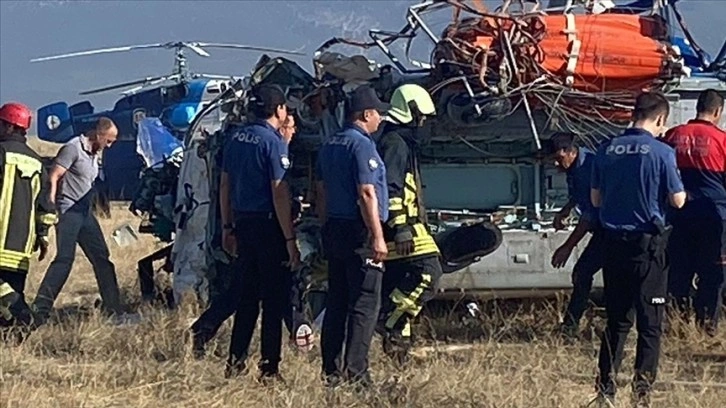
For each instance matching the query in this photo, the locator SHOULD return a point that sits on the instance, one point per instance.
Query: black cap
(363, 98)
(268, 95)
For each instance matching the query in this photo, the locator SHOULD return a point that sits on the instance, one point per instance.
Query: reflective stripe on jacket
(407, 216)
(25, 209)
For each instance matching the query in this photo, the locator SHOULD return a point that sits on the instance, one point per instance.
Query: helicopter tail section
(55, 123)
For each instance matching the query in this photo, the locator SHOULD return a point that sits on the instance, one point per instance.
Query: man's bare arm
(369, 209)
(56, 174)
(225, 208)
(579, 232)
(567, 208)
(283, 207)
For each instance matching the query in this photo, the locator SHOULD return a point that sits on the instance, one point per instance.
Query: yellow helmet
(403, 96)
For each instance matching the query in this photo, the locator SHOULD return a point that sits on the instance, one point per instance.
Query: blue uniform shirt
(345, 161)
(254, 156)
(579, 177)
(635, 173)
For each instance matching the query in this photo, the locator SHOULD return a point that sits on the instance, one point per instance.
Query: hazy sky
(30, 29)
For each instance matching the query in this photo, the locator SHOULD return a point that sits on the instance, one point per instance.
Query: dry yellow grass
(80, 360)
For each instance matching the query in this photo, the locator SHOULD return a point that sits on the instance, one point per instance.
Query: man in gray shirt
(71, 178)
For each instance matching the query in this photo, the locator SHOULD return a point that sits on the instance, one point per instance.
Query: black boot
(235, 369)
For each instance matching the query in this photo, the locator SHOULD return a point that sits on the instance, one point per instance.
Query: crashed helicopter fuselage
(481, 155)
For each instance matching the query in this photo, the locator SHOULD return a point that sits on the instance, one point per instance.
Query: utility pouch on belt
(659, 242)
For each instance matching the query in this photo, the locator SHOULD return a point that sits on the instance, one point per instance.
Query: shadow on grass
(509, 320)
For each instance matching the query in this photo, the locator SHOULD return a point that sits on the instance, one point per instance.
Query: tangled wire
(511, 65)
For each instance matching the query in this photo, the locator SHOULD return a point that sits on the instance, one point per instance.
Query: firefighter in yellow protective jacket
(412, 266)
(25, 212)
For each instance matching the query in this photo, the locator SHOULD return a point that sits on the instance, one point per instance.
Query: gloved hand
(41, 243)
(404, 241)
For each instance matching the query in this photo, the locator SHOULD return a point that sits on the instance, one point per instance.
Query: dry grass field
(81, 360)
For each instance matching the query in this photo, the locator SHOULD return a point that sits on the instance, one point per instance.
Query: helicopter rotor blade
(100, 51)
(122, 85)
(196, 48)
(150, 83)
(248, 47)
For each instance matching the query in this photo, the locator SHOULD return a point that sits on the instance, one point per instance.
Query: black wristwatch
(228, 226)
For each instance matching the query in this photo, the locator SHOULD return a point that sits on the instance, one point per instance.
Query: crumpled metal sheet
(188, 253)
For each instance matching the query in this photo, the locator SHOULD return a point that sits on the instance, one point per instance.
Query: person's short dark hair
(709, 101)
(265, 99)
(352, 116)
(562, 141)
(650, 105)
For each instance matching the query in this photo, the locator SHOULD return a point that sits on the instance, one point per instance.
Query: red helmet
(16, 114)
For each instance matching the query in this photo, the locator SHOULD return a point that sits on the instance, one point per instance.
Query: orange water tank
(610, 52)
(616, 52)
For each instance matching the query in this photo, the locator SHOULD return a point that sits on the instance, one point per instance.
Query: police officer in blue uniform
(634, 180)
(226, 284)
(255, 208)
(352, 203)
(577, 162)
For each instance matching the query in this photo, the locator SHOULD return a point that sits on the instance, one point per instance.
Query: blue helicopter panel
(175, 105)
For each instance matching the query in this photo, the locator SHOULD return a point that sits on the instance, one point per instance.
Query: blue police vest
(344, 162)
(635, 173)
(254, 156)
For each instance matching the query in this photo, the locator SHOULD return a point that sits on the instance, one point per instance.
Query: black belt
(627, 235)
(268, 215)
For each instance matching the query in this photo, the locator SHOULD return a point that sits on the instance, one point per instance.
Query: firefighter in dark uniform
(256, 214)
(577, 162)
(698, 243)
(634, 180)
(412, 265)
(352, 204)
(26, 214)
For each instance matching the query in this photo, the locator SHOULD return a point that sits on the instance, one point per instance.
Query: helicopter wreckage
(503, 82)
(173, 98)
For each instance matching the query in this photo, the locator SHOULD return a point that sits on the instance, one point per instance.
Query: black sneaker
(361, 383)
(332, 381)
(198, 346)
(267, 378)
(235, 370)
(568, 330)
(640, 397)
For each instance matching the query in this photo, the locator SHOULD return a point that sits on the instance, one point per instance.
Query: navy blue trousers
(697, 248)
(589, 263)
